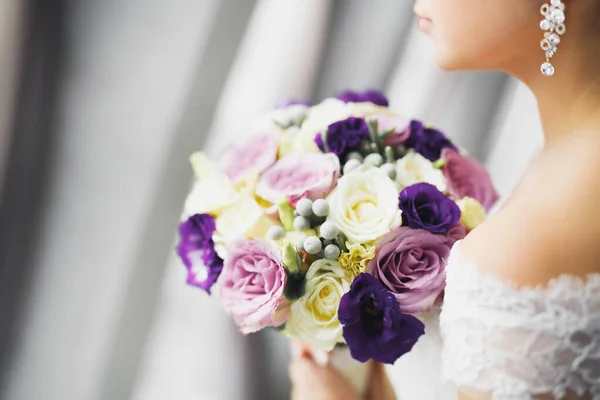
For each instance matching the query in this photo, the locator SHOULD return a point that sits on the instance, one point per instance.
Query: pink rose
(251, 285)
(256, 154)
(399, 126)
(467, 177)
(411, 263)
(299, 175)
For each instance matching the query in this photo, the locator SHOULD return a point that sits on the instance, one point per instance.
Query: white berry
(320, 208)
(276, 233)
(351, 165)
(312, 245)
(304, 207)
(301, 223)
(332, 252)
(299, 242)
(374, 159)
(329, 230)
(354, 155)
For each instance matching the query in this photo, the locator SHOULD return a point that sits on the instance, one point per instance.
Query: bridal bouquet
(333, 223)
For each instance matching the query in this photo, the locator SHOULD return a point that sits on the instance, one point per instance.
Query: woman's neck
(569, 103)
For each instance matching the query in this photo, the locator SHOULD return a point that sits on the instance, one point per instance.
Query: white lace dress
(513, 343)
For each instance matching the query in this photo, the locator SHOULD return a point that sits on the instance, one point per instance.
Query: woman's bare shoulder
(552, 224)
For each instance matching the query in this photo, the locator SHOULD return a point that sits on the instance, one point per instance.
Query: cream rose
(244, 219)
(314, 316)
(212, 192)
(414, 168)
(364, 205)
(472, 212)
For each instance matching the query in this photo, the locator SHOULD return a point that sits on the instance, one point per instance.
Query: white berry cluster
(387, 163)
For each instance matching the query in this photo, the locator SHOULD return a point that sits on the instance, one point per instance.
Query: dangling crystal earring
(554, 26)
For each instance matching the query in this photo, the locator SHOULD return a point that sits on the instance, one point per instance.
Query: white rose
(314, 316)
(414, 168)
(209, 180)
(364, 205)
(281, 118)
(244, 219)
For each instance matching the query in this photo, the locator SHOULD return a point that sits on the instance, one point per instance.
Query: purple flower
(374, 326)
(344, 136)
(368, 96)
(197, 251)
(428, 142)
(425, 207)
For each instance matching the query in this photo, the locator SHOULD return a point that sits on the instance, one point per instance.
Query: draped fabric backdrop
(106, 313)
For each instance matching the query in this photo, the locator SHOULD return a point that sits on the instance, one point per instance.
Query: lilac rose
(342, 137)
(255, 154)
(374, 325)
(428, 142)
(425, 207)
(252, 283)
(299, 175)
(411, 263)
(466, 177)
(197, 251)
(369, 96)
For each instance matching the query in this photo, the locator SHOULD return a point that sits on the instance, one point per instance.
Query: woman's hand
(312, 380)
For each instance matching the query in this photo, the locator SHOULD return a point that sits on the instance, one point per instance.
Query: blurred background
(101, 102)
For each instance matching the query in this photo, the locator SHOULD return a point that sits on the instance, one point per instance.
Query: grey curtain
(104, 311)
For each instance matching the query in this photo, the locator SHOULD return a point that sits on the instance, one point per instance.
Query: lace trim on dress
(519, 342)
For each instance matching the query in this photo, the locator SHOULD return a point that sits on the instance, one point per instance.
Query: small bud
(351, 165)
(304, 207)
(276, 233)
(320, 208)
(390, 170)
(301, 223)
(286, 214)
(332, 252)
(374, 159)
(290, 258)
(312, 245)
(329, 230)
(390, 157)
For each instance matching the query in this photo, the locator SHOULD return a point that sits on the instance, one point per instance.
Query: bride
(521, 317)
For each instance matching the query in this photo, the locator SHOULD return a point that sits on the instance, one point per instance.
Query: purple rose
(344, 136)
(411, 263)
(466, 177)
(428, 142)
(425, 207)
(252, 283)
(374, 326)
(197, 251)
(368, 96)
